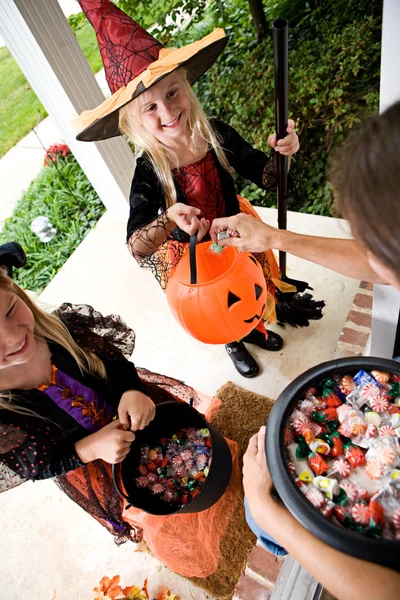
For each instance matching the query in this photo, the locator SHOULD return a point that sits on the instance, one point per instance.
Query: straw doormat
(240, 416)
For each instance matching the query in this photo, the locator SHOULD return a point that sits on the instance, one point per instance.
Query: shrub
(334, 60)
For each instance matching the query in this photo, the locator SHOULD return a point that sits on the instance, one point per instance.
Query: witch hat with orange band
(133, 62)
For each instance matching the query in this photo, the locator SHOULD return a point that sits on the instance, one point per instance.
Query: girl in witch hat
(186, 163)
(70, 401)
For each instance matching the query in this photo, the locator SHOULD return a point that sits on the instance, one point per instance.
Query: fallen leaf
(109, 588)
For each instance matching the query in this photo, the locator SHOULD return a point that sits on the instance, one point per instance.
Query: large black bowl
(384, 552)
(170, 417)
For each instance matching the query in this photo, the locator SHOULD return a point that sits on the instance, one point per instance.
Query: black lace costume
(42, 447)
(147, 203)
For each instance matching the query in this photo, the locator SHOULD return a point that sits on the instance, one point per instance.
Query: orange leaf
(134, 593)
(165, 594)
(109, 587)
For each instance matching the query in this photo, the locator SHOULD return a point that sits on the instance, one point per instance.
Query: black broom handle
(280, 35)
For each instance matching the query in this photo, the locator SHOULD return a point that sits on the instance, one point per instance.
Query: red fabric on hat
(126, 48)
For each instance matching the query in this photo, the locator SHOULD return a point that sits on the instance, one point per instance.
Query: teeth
(171, 122)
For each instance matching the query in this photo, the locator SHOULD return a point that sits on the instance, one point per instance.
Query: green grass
(72, 214)
(19, 106)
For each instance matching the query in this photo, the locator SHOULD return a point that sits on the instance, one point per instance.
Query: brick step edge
(357, 328)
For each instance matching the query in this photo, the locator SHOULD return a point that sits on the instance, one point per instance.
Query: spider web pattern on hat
(124, 59)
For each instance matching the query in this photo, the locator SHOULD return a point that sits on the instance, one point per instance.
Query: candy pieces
(328, 486)
(354, 455)
(337, 444)
(374, 470)
(342, 467)
(322, 416)
(362, 378)
(360, 513)
(318, 464)
(177, 468)
(380, 377)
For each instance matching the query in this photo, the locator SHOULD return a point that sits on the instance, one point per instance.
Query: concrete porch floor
(51, 543)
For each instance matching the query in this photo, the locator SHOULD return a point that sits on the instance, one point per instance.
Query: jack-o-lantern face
(228, 300)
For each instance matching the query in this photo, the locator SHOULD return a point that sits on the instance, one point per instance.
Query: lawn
(19, 106)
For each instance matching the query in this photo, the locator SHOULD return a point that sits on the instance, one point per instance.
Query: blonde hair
(48, 326)
(160, 155)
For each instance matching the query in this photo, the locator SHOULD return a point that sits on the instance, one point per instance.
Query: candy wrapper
(388, 498)
(344, 450)
(177, 468)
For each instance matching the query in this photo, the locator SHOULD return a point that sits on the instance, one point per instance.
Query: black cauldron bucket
(170, 418)
(381, 551)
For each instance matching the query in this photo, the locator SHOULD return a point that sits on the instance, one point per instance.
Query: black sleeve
(122, 376)
(145, 199)
(34, 448)
(248, 162)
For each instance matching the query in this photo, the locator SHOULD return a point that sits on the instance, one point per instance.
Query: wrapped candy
(177, 468)
(342, 467)
(389, 500)
(347, 450)
(347, 384)
(315, 497)
(362, 378)
(327, 414)
(317, 464)
(354, 455)
(316, 444)
(374, 470)
(372, 418)
(328, 486)
(380, 376)
(360, 513)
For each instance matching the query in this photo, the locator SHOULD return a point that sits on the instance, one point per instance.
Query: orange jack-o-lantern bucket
(217, 297)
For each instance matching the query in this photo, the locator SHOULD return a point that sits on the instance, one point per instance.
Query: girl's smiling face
(165, 109)
(17, 341)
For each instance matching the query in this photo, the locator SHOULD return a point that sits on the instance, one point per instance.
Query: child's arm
(145, 240)
(150, 222)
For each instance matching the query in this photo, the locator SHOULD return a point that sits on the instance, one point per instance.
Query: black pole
(280, 36)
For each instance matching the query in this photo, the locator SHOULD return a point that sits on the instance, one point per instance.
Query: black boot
(242, 359)
(273, 343)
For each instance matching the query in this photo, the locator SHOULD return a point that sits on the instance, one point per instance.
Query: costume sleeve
(122, 376)
(31, 448)
(145, 199)
(247, 161)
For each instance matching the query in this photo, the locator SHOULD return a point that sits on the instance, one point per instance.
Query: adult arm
(344, 576)
(344, 256)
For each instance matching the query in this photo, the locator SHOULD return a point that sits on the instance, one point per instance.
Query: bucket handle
(192, 258)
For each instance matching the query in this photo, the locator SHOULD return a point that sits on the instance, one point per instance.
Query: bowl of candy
(178, 463)
(333, 450)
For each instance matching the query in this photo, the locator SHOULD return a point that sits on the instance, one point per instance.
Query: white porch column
(44, 46)
(386, 304)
